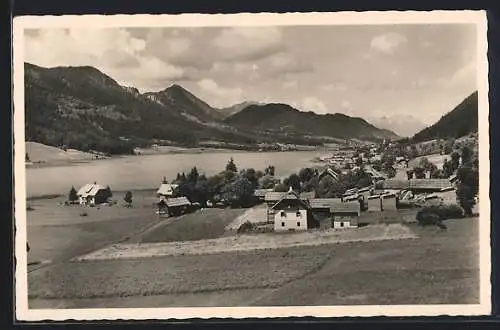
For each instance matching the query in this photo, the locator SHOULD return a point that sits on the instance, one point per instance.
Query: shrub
(434, 214)
(245, 227)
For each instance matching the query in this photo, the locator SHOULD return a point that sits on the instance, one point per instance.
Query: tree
(128, 198)
(359, 161)
(293, 181)
(419, 172)
(231, 166)
(281, 187)
(466, 156)
(270, 170)
(251, 175)
(108, 193)
(72, 196)
(455, 160)
(193, 175)
(447, 168)
(465, 198)
(306, 174)
(267, 182)
(409, 174)
(239, 193)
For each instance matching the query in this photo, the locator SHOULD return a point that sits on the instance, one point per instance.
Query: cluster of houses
(294, 211)
(301, 211)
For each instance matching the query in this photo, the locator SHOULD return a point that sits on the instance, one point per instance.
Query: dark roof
(346, 208)
(437, 184)
(394, 184)
(319, 203)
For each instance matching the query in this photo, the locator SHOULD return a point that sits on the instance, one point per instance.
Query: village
(346, 189)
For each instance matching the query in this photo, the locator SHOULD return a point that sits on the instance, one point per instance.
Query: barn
(92, 194)
(345, 215)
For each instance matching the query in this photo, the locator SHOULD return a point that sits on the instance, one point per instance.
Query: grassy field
(57, 232)
(203, 224)
(439, 267)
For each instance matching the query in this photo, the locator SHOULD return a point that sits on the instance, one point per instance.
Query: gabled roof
(351, 197)
(90, 190)
(320, 203)
(166, 189)
(178, 201)
(290, 195)
(346, 208)
(274, 196)
(329, 171)
(395, 184)
(261, 192)
(436, 184)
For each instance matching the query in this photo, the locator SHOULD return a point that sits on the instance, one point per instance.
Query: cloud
(388, 43)
(336, 87)
(462, 78)
(290, 84)
(248, 43)
(312, 103)
(345, 104)
(114, 51)
(223, 96)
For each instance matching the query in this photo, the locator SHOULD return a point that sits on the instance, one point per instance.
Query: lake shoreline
(162, 150)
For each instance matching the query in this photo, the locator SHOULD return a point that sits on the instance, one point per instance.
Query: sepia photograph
(251, 165)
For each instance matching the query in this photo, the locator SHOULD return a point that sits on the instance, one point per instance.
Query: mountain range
(85, 109)
(401, 124)
(460, 121)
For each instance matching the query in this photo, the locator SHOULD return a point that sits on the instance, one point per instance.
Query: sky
(413, 71)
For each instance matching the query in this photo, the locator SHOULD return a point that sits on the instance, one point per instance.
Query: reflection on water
(143, 172)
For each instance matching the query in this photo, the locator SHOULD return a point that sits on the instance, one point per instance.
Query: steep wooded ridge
(187, 103)
(462, 120)
(84, 109)
(284, 119)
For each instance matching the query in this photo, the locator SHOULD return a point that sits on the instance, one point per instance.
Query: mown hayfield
(440, 267)
(202, 224)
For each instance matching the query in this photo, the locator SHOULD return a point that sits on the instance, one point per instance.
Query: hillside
(284, 120)
(234, 109)
(185, 103)
(462, 120)
(84, 109)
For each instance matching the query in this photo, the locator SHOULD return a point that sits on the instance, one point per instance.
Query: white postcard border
(263, 19)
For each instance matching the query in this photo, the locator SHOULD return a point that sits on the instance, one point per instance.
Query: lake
(147, 171)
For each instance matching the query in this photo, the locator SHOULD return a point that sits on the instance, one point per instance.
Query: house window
(298, 214)
(283, 214)
(282, 224)
(298, 224)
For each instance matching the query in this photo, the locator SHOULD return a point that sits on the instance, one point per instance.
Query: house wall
(449, 197)
(374, 204)
(389, 203)
(291, 220)
(345, 221)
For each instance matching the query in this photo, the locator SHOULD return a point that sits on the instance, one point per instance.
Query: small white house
(289, 213)
(92, 194)
(345, 215)
(166, 190)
